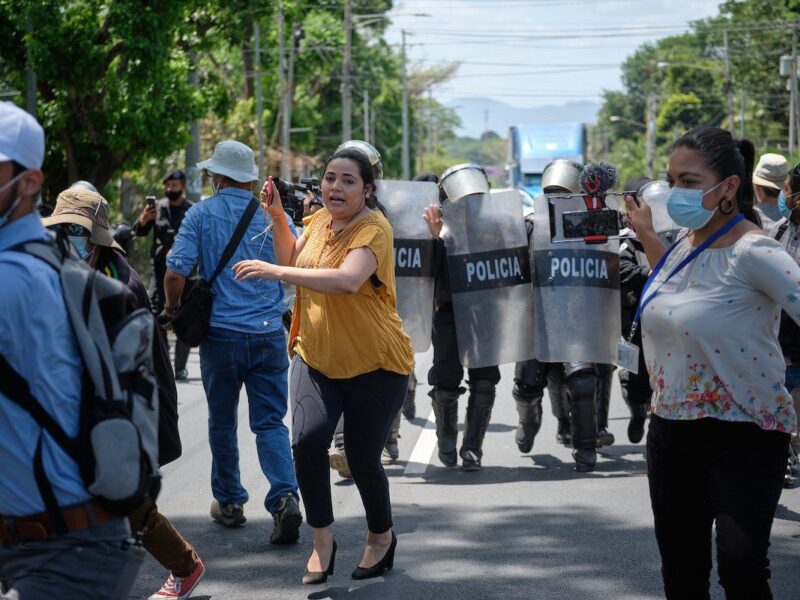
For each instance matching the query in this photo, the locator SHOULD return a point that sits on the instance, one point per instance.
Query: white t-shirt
(710, 336)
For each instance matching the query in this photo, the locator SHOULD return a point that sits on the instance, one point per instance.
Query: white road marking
(423, 449)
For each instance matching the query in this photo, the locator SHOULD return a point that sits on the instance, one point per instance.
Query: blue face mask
(785, 210)
(7, 215)
(685, 207)
(79, 243)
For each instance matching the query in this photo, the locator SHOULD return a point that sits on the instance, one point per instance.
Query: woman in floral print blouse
(719, 435)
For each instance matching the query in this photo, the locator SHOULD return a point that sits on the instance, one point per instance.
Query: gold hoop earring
(726, 206)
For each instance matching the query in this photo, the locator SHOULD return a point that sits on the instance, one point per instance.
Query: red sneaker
(180, 588)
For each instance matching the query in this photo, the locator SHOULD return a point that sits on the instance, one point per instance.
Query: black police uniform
(588, 386)
(636, 390)
(445, 377)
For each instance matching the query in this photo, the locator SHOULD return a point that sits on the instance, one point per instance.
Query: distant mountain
(479, 114)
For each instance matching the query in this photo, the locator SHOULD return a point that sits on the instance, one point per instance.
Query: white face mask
(4, 218)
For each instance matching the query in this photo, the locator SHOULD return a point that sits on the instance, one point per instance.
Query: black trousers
(710, 471)
(446, 371)
(369, 403)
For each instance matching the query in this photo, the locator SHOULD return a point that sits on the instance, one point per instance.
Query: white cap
(21, 137)
(234, 160)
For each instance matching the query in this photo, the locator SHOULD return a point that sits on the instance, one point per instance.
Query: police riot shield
(405, 201)
(655, 194)
(575, 289)
(490, 277)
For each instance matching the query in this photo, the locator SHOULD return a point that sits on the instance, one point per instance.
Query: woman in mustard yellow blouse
(350, 354)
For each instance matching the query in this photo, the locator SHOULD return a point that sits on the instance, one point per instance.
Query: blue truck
(531, 147)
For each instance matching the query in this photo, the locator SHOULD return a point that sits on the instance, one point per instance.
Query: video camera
(293, 196)
(586, 216)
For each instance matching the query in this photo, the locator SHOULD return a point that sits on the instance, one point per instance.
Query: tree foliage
(114, 95)
(686, 74)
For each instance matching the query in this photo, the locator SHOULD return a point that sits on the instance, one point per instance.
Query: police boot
(602, 394)
(583, 419)
(445, 408)
(479, 412)
(529, 409)
(409, 405)
(390, 450)
(559, 403)
(636, 424)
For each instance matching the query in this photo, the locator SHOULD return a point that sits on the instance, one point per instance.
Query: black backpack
(116, 448)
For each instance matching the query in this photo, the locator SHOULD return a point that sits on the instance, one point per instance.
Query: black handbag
(193, 317)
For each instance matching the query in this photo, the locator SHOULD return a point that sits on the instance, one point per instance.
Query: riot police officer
(446, 373)
(588, 383)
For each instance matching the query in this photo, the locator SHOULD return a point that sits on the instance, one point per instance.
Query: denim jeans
(229, 359)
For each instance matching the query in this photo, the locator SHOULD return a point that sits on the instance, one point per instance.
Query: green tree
(112, 85)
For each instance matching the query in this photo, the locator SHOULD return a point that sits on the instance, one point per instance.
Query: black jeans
(369, 403)
(711, 471)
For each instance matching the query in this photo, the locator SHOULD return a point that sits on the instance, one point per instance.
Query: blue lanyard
(685, 262)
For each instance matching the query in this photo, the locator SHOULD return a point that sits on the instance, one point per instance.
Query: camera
(150, 201)
(293, 196)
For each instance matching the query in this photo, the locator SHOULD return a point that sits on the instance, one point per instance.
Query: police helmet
(561, 175)
(369, 151)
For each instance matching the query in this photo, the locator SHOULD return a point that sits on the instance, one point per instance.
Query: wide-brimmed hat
(232, 159)
(771, 171)
(85, 208)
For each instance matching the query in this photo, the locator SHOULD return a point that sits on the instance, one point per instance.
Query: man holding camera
(164, 218)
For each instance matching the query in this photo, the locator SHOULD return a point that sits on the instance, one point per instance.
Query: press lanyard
(685, 262)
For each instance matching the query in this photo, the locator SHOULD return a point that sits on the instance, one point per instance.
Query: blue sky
(500, 59)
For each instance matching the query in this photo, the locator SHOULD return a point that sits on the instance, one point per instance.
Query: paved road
(523, 527)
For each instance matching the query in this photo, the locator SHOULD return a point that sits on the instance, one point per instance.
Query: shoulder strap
(14, 387)
(238, 234)
(781, 230)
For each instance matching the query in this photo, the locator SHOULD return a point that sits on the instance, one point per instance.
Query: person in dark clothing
(82, 217)
(446, 373)
(164, 218)
(633, 271)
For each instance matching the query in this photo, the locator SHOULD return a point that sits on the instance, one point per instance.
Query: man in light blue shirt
(246, 343)
(37, 342)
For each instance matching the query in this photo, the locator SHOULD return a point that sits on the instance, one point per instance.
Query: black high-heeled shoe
(380, 567)
(313, 577)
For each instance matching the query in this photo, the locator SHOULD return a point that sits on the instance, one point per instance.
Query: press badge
(627, 356)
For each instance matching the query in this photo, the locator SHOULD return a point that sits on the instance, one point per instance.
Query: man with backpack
(53, 531)
(82, 216)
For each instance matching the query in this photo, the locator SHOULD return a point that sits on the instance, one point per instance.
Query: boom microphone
(597, 178)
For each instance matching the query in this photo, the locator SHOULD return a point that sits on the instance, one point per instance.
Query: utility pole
(283, 87)
(347, 99)
(792, 97)
(406, 150)
(793, 83)
(259, 100)
(741, 113)
(286, 170)
(366, 116)
(30, 76)
(194, 179)
(650, 135)
(728, 83)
